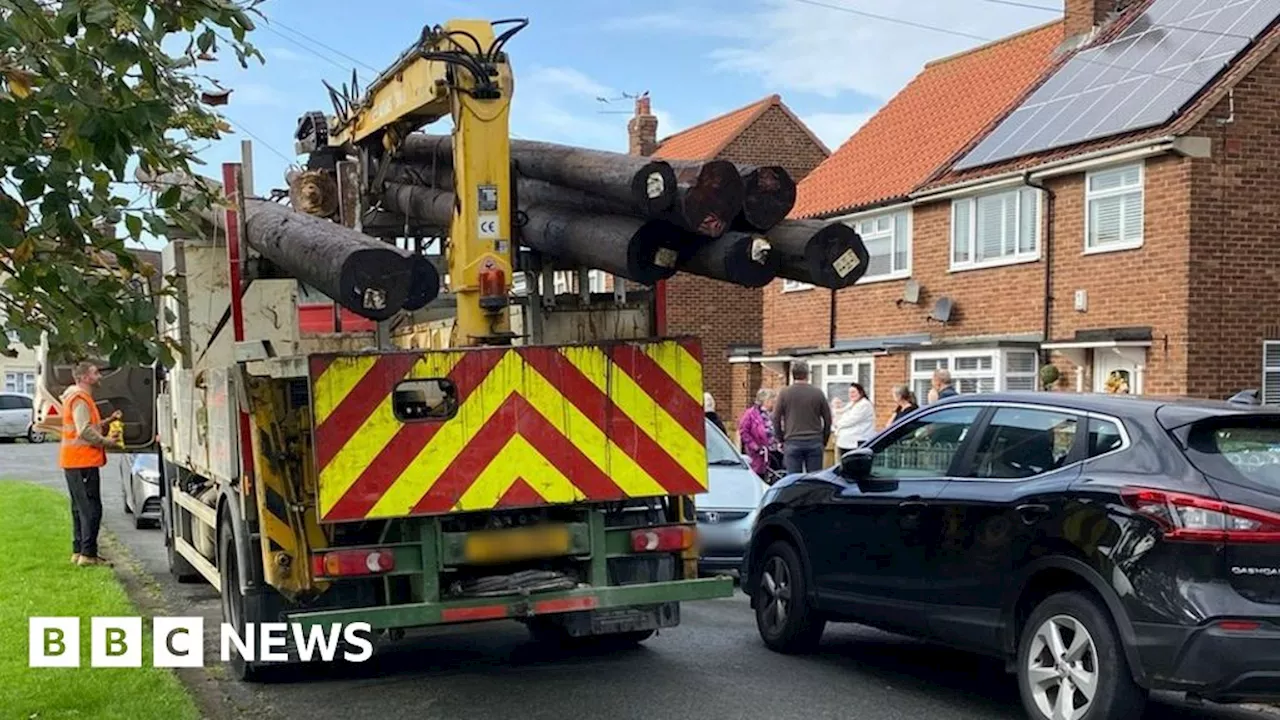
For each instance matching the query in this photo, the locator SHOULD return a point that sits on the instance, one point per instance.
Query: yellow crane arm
(459, 70)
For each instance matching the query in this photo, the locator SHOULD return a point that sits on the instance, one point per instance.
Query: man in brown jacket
(802, 421)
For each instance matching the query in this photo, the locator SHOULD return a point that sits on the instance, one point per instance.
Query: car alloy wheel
(775, 586)
(1062, 668)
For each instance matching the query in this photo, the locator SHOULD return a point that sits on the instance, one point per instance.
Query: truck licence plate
(492, 546)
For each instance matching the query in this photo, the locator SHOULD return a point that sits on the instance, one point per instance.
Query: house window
(975, 371)
(996, 229)
(595, 281)
(23, 383)
(1271, 372)
(835, 375)
(519, 283)
(1114, 206)
(793, 285)
(888, 241)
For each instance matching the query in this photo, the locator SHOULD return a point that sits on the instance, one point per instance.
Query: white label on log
(665, 257)
(654, 185)
(488, 225)
(846, 263)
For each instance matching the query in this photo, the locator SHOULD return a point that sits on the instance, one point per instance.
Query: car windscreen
(719, 451)
(1238, 449)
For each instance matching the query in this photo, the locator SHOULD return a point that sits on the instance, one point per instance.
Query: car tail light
(1239, 625)
(1192, 518)
(660, 539)
(344, 563)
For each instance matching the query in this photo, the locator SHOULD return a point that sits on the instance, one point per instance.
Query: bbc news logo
(178, 642)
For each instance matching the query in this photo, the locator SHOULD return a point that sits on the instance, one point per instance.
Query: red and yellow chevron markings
(534, 426)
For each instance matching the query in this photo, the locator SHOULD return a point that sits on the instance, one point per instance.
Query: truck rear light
(662, 539)
(1192, 518)
(346, 563)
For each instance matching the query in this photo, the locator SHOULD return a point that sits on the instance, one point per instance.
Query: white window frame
(903, 214)
(1090, 195)
(795, 286)
(999, 372)
(1018, 256)
(27, 377)
(1269, 370)
(830, 370)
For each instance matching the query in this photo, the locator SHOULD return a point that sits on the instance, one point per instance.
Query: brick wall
(1235, 239)
(774, 139)
(1142, 287)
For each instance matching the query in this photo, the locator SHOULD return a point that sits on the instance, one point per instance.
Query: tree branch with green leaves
(88, 88)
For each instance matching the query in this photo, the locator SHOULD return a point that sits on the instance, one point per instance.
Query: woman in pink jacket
(755, 431)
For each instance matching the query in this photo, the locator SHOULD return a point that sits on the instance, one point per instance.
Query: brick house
(727, 317)
(1102, 198)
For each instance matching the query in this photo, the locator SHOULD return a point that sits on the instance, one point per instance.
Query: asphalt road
(712, 666)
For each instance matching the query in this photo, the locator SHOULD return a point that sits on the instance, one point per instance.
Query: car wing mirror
(856, 464)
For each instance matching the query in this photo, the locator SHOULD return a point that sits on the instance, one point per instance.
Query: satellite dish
(911, 292)
(941, 310)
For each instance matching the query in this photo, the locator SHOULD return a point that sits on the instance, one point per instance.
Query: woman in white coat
(857, 423)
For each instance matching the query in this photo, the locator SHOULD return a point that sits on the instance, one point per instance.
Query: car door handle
(1033, 512)
(912, 507)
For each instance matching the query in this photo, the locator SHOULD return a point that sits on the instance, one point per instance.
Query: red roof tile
(922, 128)
(705, 140)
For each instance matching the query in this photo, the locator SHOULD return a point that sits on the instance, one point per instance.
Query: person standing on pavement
(802, 421)
(857, 424)
(755, 430)
(904, 401)
(709, 409)
(942, 385)
(82, 454)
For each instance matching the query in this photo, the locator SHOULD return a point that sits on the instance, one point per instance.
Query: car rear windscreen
(1239, 449)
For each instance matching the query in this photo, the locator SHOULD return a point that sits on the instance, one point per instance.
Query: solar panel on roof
(1141, 79)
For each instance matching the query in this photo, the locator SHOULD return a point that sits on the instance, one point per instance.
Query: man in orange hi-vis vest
(83, 452)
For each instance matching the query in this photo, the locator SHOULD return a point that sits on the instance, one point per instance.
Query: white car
(16, 417)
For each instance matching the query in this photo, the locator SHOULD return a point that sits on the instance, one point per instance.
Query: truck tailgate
(430, 432)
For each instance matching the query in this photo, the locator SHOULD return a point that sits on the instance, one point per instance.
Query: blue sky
(696, 58)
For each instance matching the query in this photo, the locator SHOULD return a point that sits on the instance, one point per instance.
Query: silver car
(16, 417)
(140, 489)
(728, 509)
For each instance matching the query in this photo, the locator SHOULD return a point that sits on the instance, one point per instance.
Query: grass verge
(37, 579)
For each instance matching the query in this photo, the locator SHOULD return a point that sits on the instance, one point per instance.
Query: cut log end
(831, 255)
(769, 194)
(375, 283)
(654, 188)
(655, 252)
(708, 204)
(738, 258)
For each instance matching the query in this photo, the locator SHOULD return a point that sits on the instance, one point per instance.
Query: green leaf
(169, 197)
(32, 188)
(134, 223)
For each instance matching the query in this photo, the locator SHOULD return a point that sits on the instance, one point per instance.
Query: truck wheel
(239, 610)
(1071, 663)
(784, 618)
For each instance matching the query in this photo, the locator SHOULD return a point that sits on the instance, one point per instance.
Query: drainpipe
(1050, 201)
(831, 330)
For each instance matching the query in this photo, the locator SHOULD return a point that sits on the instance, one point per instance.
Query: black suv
(1104, 545)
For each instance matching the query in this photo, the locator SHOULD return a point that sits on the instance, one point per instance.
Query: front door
(1115, 373)
(876, 558)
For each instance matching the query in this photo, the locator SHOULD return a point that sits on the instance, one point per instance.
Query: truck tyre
(240, 610)
(1071, 663)
(784, 617)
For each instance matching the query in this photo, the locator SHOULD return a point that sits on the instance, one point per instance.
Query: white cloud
(797, 47)
(256, 94)
(835, 128)
(558, 104)
(283, 53)
(667, 123)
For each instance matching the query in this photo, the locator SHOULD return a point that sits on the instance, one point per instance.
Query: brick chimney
(642, 130)
(1082, 16)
